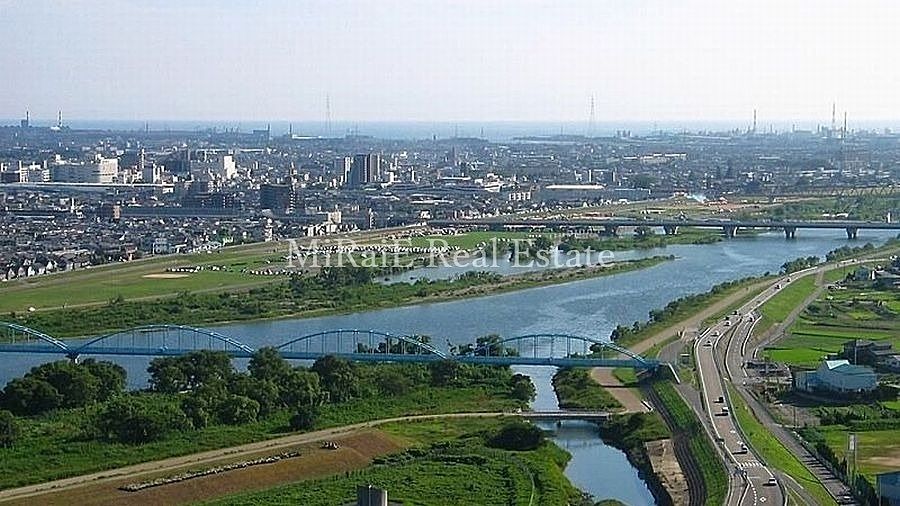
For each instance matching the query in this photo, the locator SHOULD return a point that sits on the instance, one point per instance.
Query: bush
(133, 419)
(519, 436)
(9, 430)
(304, 418)
(238, 409)
(30, 396)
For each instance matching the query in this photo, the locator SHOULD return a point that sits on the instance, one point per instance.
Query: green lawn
(687, 425)
(773, 452)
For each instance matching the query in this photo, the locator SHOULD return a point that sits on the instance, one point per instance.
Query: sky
(449, 60)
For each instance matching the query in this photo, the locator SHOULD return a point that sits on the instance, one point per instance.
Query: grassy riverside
(773, 452)
(685, 235)
(715, 477)
(53, 446)
(451, 463)
(334, 291)
(679, 310)
(576, 390)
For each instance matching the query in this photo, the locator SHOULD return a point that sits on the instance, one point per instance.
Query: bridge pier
(670, 229)
(790, 232)
(730, 231)
(852, 232)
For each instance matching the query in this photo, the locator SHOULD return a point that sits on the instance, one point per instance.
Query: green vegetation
(777, 309)
(450, 464)
(857, 311)
(469, 240)
(677, 310)
(643, 238)
(686, 425)
(331, 290)
(199, 402)
(773, 452)
(576, 390)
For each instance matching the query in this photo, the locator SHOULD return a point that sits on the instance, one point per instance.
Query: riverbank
(331, 292)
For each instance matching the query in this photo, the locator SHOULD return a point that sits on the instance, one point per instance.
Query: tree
(238, 409)
(520, 436)
(301, 388)
(338, 377)
(132, 419)
(30, 396)
(522, 388)
(304, 418)
(112, 377)
(75, 384)
(267, 364)
(643, 232)
(9, 429)
(392, 382)
(264, 392)
(166, 375)
(444, 372)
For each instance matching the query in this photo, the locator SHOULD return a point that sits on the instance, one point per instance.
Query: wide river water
(591, 307)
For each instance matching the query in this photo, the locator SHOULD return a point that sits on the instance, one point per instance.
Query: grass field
(450, 465)
(777, 309)
(136, 279)
(774, 453)
(53, 446)
(879, 450)
(837, 317)
(468, 240)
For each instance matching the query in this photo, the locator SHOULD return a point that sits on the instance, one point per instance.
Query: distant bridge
(559, 350)
(670, 226)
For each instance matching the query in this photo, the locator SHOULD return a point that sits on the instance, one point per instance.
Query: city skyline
(450, 61)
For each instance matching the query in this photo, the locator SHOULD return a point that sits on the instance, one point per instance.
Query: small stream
(596, 468)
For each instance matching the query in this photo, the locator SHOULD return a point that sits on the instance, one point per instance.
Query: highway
(760, 486)
(720, 354)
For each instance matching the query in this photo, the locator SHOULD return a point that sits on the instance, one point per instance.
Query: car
(772, 482)
(720, 400)
(707, 343)
(727, 323)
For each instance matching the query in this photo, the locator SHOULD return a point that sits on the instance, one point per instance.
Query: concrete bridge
(611, 226)
(554, 416)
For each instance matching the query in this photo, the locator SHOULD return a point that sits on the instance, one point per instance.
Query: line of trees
(203, 388)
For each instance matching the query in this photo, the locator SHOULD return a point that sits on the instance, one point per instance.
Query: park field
(142, 279)
(148, 278)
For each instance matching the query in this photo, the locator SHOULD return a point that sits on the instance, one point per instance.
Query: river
(591, 307)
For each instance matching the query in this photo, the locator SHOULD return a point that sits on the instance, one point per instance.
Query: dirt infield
(165, 275)
(356, 451)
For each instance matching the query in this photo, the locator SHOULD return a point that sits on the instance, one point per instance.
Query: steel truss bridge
(559, 350)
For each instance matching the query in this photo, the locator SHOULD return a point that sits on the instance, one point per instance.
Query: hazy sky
(452, 60)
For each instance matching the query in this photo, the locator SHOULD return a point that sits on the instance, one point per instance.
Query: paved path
(211, 457)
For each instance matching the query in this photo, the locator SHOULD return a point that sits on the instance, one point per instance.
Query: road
(721, 353)
(760, 485)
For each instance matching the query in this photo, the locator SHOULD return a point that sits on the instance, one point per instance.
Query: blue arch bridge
(559, 350)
